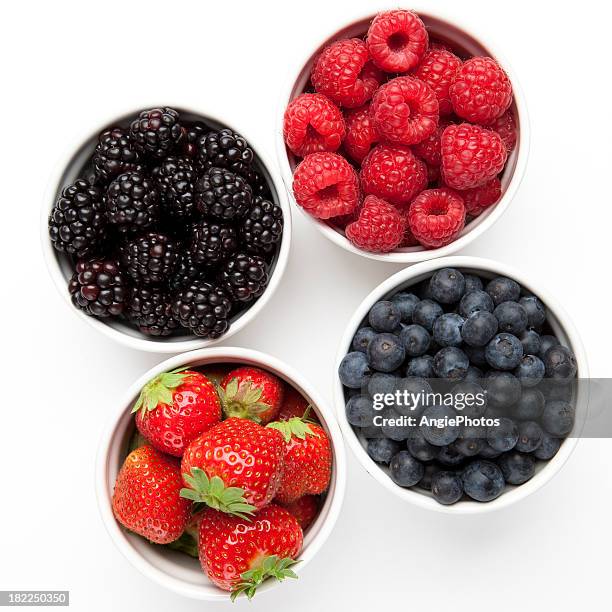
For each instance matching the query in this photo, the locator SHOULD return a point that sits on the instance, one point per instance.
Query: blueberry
(416, 340)
(446, 487)
(386, 352)
(473, 374)
(422, 291)
(447, 329)
(503, 437)
(558, 418)
(504, 352)
(425, 313)
(536, 311)
(451, 362)
(382, 382)
(447, 286)
(362, 339)
(470, 440)
(472, 283)
(511, 317)
(421, 449)
(503, 389)
(560, 364)
(437, 425)
(548, 448)
(476, 354)
(405, 470)
(413, 386)
(429, 471)
(488, 452)
(530, 370)
(405, 302)
(530, 436)
(475, 301)
(393, 427)
(385, 316)
(547, 342)
(530, 406)
(554, 390)
(517, 468)
(470, 398)
(421, 366)
(450, 456)
(382, 450)
(530, 340)
(483, 480)
(502, 289)
(479, 328)
(354, 371)
(360, 411)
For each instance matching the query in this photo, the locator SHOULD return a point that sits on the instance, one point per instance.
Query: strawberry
(305, 510)
(294, 405)
(235, 467)
(251, 393)
(308, 459)
(175, 408)
(147, 500)
(238, 554)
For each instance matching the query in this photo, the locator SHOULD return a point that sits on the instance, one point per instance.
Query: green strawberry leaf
(241, 399)
(293, 427)
(271, 567)
(159, 390)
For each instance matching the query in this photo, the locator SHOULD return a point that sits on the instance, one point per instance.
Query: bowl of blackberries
(166, 229)
(458, 385)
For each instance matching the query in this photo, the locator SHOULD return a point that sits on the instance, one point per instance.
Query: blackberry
(150, 259)
(77, 224)
(244, 277)
(175, 178)
(258, 183)
(225, 149)
(115, 154)
(98, 288)
(192, 135)
(156, 131)
(212, 243)
(262, 227)
(203, 308)
(223, 195)
(186, 272)
(150, 309)
(132, 202)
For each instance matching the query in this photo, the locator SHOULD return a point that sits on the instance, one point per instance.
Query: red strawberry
(238, 554)
(146, 498)
(175, 408)
(304, 509)
(251, 393)
(235, 467)
(308, 459)
(294, 405)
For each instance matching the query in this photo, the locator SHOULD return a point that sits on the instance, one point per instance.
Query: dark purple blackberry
(262, 228)
(98, 288)
(156, 131)
(186, 272)
(258, 183)
(115, 154)
(77, 223)
(244, 277)
(225, 149)
(175, 178)
(132, 202)
(203, 308)
(212, 243)
(223, 195)
(191, 136)
(150, 309)
(150, 259)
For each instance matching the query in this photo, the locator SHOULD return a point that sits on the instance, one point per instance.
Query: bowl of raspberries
(403, 137)
(459, 385)
(166, 230)
(214, 443)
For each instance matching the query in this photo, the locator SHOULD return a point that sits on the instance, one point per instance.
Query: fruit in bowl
(401, 136)
(219, 450)
(170, 226)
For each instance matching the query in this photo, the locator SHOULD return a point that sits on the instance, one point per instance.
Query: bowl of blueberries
(458, 385)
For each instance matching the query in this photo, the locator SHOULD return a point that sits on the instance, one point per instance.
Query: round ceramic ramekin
(176, 571)
(461, 36)
(556, 318)
(61, 269)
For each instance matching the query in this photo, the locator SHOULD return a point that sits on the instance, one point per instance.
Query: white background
(68, 65)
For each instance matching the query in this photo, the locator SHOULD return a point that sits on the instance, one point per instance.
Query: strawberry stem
(159, 390)
(241, 399)
(271, 567)
(294, 426)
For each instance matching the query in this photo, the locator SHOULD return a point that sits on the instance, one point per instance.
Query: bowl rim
(141, 342)
(113, 428)
(488, 217)
(421, 499)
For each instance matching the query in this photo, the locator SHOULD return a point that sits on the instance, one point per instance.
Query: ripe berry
(477, 199)
(483, 481)
(211, 243)
(225, 149)
(115, 154)
(360, 133)
(191, 135)
(438, 69)
(244, 277)
(262, 227)
(505, 126)
(150, 259)
(98, 288)
(429, 149)
(223, 195)
(175, 178)
(156, 131)
(149, 308)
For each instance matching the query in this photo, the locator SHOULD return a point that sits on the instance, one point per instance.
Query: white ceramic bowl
(59, 263)
(563, 329)
(177, 571)
(460, 36)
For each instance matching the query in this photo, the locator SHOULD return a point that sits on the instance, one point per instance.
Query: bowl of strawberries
(403, 136)
(221, 473)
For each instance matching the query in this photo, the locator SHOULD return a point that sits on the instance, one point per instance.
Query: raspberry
(393, 173)
(471, 155)
(312, 123)
(479, 198)
(438, 68)
(506, 128)
(379, 228)
(397, 40)
(326, 185)
(429, 150)
(360, 133)
(405, 110)
(481, 91)
(343, 73)
(408, 240)
(436, 217)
